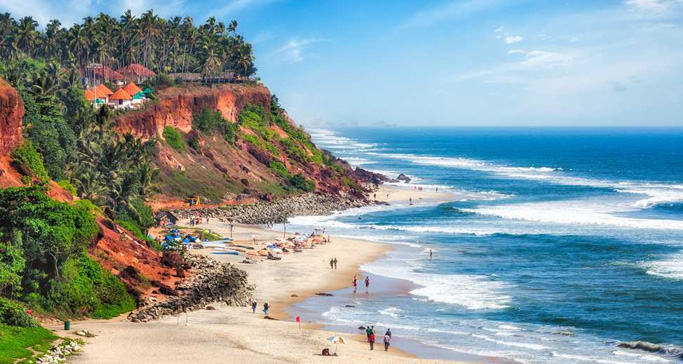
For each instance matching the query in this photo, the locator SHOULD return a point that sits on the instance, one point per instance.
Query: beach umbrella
(336, 339)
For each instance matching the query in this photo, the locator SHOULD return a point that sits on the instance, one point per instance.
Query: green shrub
(193, 143)
(14, 314)
(67, 186)
(302, 183)
(295, 151)
(254, 116)
(49, 232)
(173, 138)
(212, 121)
(163, 81)
(230, 132)
(208, 121)
(30, 161)
(260, 144)
(85, 288)
(280, 169)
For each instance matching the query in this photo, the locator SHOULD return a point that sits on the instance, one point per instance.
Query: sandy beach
(235, 334)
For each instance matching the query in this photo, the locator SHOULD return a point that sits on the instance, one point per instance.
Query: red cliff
(176, 106)
(11, 116)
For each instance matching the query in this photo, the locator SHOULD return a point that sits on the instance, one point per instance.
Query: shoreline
(233, 334)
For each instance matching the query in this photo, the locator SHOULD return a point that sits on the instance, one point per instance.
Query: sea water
(561, 243)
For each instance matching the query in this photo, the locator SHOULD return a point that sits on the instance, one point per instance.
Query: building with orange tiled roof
(120, 99)
(101, 89)
(90, 95)
(132, 89)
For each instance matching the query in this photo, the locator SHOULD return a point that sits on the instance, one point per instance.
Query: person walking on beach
(335, 262)
(355, 284)
(254, 303)
(367, 284)
(372, 341)
(387, 341)
(388, 332)
(331, 263)
(266, 307)
(368, 332)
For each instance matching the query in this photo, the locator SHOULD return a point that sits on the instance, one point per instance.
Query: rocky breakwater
(11, 116)
(278, 211)
(210, 281)
(176, 107)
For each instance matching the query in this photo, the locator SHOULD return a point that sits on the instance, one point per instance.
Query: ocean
(563, 242)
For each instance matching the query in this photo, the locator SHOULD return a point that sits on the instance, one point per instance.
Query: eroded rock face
(11, 116)
(176, 107)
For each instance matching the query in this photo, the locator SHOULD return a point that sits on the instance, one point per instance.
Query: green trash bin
(67, 325)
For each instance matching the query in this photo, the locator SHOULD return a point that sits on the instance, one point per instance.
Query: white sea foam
(670, 267)
(656, 192)
(576, 212)
(467, 291)
(394, 312)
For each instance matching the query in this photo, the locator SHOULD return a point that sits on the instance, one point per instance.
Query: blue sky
(448, 62)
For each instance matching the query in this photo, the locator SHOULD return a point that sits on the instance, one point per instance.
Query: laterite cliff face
(11, 116)
(176, 107)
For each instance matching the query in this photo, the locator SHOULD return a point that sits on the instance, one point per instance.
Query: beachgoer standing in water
(367, 284)
(387, 341)
(335, 262)
(430, 254)
(355, 284)
(254, 303)
(266, 307)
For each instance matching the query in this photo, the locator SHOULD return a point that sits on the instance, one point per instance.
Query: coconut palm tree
(27, 35)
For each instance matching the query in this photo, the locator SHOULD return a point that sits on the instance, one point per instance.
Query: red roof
(132, 88)
(103, 90)
(138, 70)
(121, 94)
(107, 73)
(90, 95)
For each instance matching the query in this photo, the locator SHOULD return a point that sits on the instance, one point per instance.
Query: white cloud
(516, 51)
(513, 39)
(499, 29)
(295, 50)
(451, 10)
(654, 7)
(543, 59)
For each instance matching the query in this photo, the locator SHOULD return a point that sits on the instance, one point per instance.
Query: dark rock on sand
(211, 281)
(403, 178)
(324, 294)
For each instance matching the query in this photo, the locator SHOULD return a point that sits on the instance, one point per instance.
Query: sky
(447, 62)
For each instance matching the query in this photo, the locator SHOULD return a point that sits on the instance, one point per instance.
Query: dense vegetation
(44, 261)
(163, 45)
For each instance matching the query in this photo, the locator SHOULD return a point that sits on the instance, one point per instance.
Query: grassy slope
(21, 343)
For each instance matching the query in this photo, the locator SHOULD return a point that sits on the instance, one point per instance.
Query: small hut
(165, 217)
(120, 99)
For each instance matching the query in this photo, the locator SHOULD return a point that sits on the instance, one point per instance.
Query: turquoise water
(562, 242)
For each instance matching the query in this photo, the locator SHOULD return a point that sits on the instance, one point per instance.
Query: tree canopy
(163, 45)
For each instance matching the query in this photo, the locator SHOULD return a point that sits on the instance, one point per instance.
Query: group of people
(254, 304)
(355, 284)
(197, 220)
(370, 332)
(333, 263)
